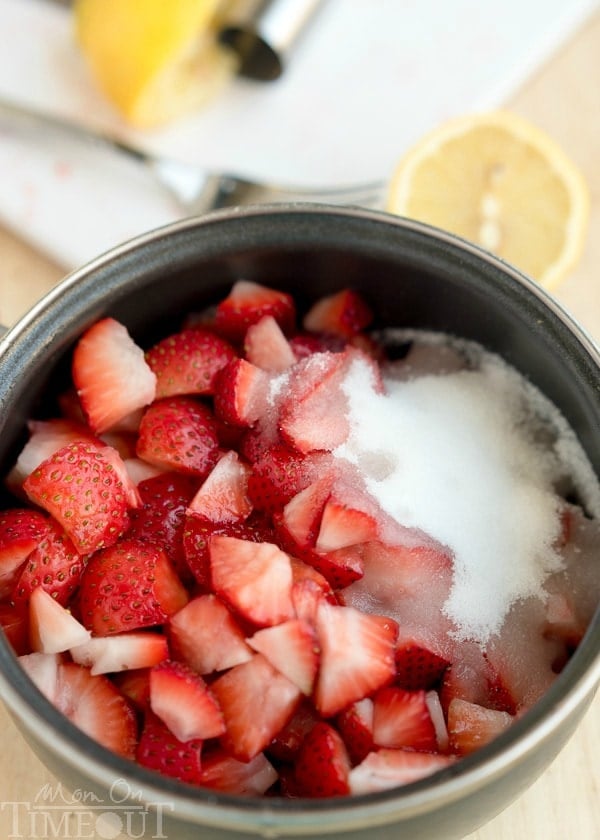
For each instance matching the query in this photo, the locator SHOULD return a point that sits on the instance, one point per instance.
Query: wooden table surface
(564, 99)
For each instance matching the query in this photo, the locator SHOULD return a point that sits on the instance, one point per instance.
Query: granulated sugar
(472, 459)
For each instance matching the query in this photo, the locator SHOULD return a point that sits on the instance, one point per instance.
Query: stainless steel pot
(412, 276)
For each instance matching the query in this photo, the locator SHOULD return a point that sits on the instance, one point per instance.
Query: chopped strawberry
(416, 666)
(52, 628)
(159, 750)
(355, 725)
(160, 519)
(111, 375)
(471, 726)
(343, 313)
(220, 771)
(182, 700)
(188, 362)
(401, 719)
(21, 530)
(266, 346)
(45, 438)
(247, 303)
(97, 707)
(80, 488)
(278, 474)
(357, 656)
(128, 586)
(343, 526)
(42, 670)
(198, 532)
(121, 652)
(291, 647)
(179, 433)
(389, 768)
(285, 745)
(223, 496)
(257, 701)
(241, 393)
(302, 513)
(135, 685)
(14, 621)
(205, 635)
(322, 765)
(304, 344)
(55, 565)
(255, 578)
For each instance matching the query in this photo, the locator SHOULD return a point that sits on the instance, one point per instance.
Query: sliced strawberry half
(111, 375)
(223, 496)
(97, 707)
(128, 586)
(179, 433)
(223, 772)
(182, 700)
(52, 628)
(357, 656)
(355, 725)
(266, 346)
(241, 393)
(188, 362)
(285, 745)
(471, 726)
(55, 565)
(121, 652)
(205, 635)
(247, 303)
(291, 647)
(161, 751)
(278, 474)
(135, 685)
(343, 313)
(21, 530)
(401, 719)
(343, 526)
(416, 666)
(302, 514)
(257, 701)
(389, 768)
(255, 578)
(322, 765)
(79, 486)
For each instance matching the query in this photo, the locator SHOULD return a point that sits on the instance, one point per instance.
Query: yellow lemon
(154, 59)
(501, 182)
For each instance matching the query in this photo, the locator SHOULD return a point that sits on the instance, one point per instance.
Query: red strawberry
(401, 719)
(205, 635)
(302, 514)
(247, 303)
(135, 685)
(42, 670)
(292, 648)
(278, 474)
(97, 707)
(21, 530)
(220, 771)
(387, 769)
(343, 526)
(54, 564)
(322, 765)
(304, 344)
(198, 532)
(357, 656)
(111, 375)
(471, 726)
(121, 652)
(52, 628)
(416, 666)
(128, 586)
(241, 393)
(355, 725)
(340, 568)
(182, 700)
(159, 750)
(223, 496)
(255, 578)
(160, 519)
(80, 488)
(257, 702)
(188, 362)
(266, 346)
(343, 313)
(285, 745)
(14, 621)
(179, 434)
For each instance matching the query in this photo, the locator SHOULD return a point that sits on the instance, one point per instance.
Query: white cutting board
(367, 79)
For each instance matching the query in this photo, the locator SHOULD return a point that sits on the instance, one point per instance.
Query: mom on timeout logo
(57, 813)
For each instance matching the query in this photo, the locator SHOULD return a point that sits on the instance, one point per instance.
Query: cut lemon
(154, 59)
(499, 181)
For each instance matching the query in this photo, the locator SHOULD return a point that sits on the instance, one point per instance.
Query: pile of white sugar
(472, 459)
